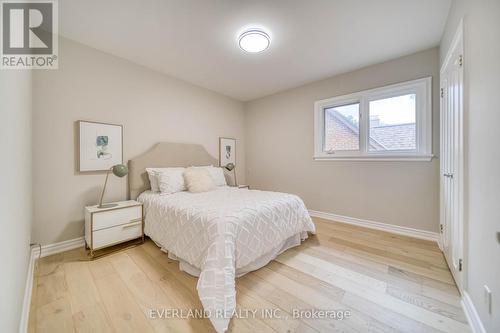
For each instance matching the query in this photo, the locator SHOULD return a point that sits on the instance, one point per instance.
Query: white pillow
(216, 173)
(198, 180)
(218, 176)
(171, 180)
(153, 178)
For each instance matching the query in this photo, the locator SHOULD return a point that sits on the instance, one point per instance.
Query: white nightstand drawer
(117, 234)
(111, 218)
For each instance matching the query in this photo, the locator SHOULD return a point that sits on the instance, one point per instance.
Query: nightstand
(110, 226)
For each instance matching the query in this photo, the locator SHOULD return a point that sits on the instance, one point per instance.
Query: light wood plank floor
(389, 283)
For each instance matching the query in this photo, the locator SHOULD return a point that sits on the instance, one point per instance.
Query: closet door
(451, 179)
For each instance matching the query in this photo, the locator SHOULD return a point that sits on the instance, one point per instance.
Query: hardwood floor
(389, 283)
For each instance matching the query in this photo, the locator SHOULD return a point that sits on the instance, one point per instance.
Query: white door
(451, 179)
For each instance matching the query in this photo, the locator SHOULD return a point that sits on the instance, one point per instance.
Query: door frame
(459, 175)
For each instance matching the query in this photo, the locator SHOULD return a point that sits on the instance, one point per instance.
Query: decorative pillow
(198, 180)
(171, 180)
(216, 173)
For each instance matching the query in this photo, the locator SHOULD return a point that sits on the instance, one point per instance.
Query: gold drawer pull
(132, 224)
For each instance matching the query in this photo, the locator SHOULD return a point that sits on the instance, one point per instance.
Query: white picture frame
(100, 144)
(227, 151)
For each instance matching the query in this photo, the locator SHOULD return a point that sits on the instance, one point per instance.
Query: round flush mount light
(254, 41)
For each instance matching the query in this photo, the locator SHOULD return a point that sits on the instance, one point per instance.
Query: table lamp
(118, 170)
(231, 167)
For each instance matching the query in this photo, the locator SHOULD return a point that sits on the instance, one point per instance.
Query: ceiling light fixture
(254, 41)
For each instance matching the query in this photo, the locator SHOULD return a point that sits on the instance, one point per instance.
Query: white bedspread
(221, 231)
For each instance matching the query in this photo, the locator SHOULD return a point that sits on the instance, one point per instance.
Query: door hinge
(460, 60)
(441, 228)
(442, 92)
(460, 264)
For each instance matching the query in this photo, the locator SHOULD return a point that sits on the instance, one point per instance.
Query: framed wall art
(227, 151)
(101, 145)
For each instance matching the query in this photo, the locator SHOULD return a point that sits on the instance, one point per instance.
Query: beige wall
(92, 85)
(15, 203)
(279, 136)
(482, 116)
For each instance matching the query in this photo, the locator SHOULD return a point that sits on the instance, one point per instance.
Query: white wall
(15, 203)
(482, 136)
(279, 136)
(152, 107)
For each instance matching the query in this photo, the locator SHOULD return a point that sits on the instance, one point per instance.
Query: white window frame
(422, 88)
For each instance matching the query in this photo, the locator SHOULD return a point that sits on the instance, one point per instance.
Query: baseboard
(471, 314)
(405, 231)
(23, 324)
(50, 249)
(47, 250)
(440, 244)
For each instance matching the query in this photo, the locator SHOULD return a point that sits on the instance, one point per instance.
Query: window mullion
(363, 126)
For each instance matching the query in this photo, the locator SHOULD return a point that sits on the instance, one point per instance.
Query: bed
(217, 235)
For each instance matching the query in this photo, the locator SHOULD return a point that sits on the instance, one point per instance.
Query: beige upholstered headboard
(164, 154)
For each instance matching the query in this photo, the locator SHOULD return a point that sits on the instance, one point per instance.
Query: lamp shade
(229, 166)
(120, 170)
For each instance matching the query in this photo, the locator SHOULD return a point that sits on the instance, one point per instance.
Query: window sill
(375, 158)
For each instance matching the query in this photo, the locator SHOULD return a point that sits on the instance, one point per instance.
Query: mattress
(224, 233)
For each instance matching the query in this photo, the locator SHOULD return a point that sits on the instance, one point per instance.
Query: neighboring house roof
(382, 137)
(395, 137)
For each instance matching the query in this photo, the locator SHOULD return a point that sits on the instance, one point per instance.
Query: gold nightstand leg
(142, 216)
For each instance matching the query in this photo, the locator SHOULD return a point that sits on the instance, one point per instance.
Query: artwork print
(100, 146)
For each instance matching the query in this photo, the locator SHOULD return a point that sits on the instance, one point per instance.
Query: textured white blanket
(220, 231)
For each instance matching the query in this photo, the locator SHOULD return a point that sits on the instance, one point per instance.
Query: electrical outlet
(487, 298)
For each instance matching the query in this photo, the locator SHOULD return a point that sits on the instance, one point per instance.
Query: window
(388, 123)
